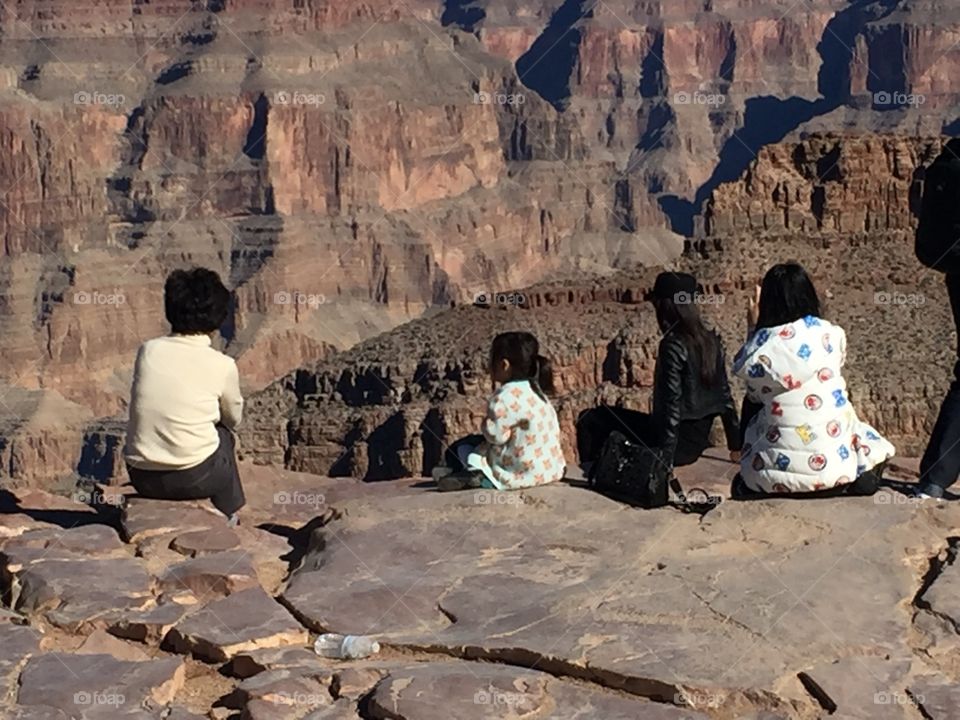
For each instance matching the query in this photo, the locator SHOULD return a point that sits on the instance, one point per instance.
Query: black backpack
(938, 236)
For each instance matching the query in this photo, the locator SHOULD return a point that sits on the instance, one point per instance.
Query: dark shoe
(739, 490)
(928, 491)
(463, 480)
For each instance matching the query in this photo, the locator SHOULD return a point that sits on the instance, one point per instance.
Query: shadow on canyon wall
(769, 120)
(546, 68)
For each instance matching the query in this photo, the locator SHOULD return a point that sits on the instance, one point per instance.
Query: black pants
(940, 465)
(595, 425)
(451, 457)
(866, 484)
(216, 478)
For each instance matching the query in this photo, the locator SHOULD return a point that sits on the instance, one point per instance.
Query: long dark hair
(522, 351)
(684, 319)
(787, 294)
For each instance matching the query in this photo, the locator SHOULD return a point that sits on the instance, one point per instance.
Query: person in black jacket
(938, 247)
(690, 386)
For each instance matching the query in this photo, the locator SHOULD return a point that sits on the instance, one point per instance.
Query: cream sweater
(182, 387)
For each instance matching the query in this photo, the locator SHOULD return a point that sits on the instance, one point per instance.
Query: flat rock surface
(486, 692)
(725, 609)
(99, 686)
(939, 700)
(210, 576)
(144, 518)
(244, 621)
(550, 603)
(203, 542)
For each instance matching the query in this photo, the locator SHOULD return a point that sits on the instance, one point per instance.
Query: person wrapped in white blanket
(802, 434)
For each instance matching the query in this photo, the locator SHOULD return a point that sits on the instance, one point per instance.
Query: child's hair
(522, 351)
(195, 301)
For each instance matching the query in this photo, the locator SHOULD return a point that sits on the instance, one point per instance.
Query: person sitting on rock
(802, 435)
(186, 400)
(690, 386)
(520, 446)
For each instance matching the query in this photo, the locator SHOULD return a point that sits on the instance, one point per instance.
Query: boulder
(252, 662)
(54, 581)
(100, 642)
(204, 542)
(288, 694)
(208, 577)
(245, 621)
(144, 518)
(148, 626)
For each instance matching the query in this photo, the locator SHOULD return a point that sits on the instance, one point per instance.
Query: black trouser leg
(228, 495)
(451, 457)
(595, 425)
(216, 478)
(940, 465)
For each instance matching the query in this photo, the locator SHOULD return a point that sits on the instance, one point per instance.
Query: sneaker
(464, 480)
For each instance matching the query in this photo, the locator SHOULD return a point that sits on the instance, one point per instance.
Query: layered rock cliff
(841, 205)
(350, 166)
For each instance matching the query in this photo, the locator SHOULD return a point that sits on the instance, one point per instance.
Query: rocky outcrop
(553, 602)
(843, 205)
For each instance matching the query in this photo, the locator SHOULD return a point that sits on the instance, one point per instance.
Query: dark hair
(195, 301)
(684, 319)
(786, 295)
(522, 351)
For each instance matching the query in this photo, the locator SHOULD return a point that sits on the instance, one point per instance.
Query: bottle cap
(375, 646)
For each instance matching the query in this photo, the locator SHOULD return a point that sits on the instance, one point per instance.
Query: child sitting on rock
(520, 445)
(186, 400)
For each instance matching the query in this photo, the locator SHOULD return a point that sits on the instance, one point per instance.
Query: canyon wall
(839, 204)
(350, 166)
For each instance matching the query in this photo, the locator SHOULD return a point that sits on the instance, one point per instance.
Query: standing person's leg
(940, 465)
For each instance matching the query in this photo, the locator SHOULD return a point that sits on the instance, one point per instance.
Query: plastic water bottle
(345, 647)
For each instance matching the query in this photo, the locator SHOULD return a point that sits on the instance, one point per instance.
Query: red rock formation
(368, 160)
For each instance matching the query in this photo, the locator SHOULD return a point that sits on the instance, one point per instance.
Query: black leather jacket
(679, 394)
